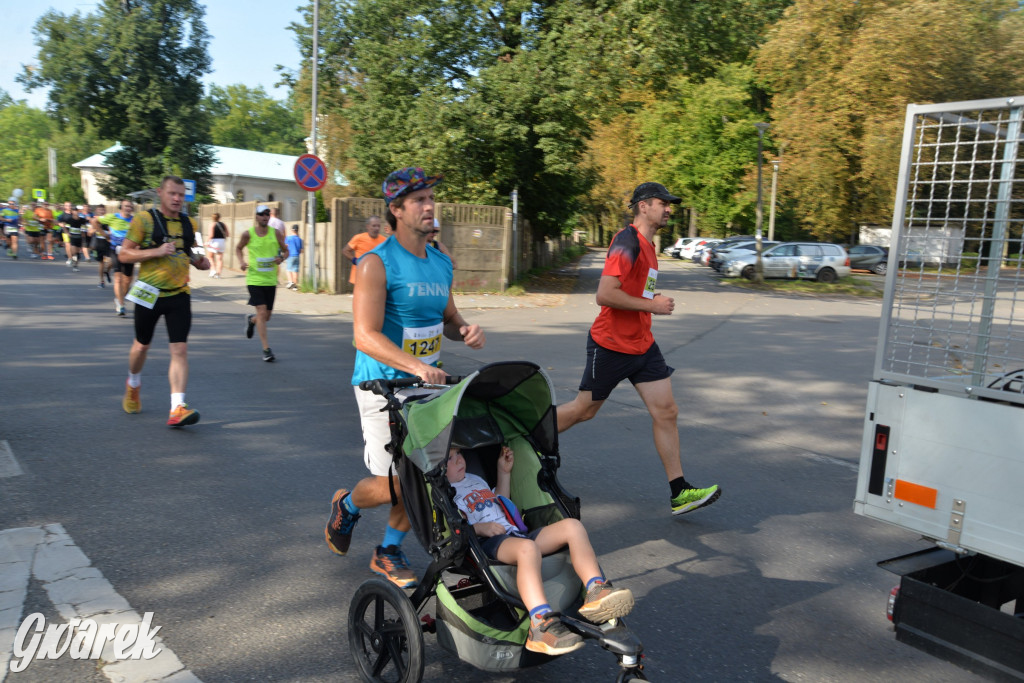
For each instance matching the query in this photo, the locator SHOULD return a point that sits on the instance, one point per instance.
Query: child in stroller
(495, 519)
(481, 616)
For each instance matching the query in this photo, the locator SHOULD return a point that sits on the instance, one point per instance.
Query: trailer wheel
(827, 276)
(384, 634)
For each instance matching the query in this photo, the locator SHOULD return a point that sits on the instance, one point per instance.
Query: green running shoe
(689, 500)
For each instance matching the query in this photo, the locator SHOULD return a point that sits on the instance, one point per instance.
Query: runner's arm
(456, 328)
(611, 294)
(240, 250)
(131, 253)
(282, 248)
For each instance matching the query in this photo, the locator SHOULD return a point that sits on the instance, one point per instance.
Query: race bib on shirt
(652, 283)
(266, 265)
(423, 343)
(143, 294)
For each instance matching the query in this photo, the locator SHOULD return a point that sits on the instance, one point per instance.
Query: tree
(699, 139)
(484, 94)
(843, 73)
(248, 118)
(23, 164)
(133, 71)
(28, 133)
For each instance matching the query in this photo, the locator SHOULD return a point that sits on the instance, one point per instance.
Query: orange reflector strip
(915, 493)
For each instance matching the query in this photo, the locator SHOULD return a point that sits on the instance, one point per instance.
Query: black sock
(678, 485)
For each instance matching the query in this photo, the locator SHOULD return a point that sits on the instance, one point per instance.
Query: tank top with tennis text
(417, 294)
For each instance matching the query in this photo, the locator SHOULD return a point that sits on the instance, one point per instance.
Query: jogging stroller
(480, 617)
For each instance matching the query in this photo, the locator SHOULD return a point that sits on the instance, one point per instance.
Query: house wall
(287, 194)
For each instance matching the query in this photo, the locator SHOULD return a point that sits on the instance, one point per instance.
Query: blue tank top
(417, 294)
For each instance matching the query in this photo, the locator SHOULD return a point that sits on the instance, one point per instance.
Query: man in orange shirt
(620, 344)
(45, 216)
(362, 243)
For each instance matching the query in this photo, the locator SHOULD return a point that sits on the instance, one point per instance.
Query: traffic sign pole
(311, 175)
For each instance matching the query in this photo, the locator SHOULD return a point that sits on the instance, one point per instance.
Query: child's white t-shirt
(479, 502)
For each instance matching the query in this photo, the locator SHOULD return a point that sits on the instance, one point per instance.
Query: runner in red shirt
(620, 344)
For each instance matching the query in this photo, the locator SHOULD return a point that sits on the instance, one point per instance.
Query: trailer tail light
(876, 477)
(890, 607)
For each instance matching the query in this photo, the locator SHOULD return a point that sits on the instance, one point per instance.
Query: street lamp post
(759, 266)
(771, 204)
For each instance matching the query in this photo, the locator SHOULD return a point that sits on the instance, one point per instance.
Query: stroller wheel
(384, 634)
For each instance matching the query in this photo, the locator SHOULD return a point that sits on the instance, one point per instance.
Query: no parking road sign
(310, 172)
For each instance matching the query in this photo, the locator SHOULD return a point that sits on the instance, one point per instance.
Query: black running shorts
(606, 368)
(124, 268)
(177, 313)
(262, 295)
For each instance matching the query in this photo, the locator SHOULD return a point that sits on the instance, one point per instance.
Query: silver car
(806, 260)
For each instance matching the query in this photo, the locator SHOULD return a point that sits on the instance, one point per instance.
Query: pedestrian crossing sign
(39, 195)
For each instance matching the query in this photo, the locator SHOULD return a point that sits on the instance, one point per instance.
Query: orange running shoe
(183, 416)
(391, 563)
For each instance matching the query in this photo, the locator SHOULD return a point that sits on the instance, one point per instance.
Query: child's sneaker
(606, 602)
(550, 636)
(338, 531)
(693, 499)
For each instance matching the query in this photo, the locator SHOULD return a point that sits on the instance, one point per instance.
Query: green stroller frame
(480, 617)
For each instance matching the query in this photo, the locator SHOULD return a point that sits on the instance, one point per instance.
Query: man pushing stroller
(506, 539)
(401, 307)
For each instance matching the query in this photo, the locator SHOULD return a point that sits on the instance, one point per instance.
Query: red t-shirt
(631, 259)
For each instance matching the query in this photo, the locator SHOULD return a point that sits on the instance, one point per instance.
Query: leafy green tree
(248, 118)
(842, 75)
(132, 70)
(699, 139)
(28, 134)
(23, 164)
(485, 94)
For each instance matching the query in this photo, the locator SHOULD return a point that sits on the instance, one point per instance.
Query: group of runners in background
(74, 233)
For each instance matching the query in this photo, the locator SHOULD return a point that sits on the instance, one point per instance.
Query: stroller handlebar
(383, 387)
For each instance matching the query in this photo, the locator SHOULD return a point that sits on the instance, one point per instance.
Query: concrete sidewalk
(231, 287)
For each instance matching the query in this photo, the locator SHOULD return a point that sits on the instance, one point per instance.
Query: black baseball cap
(653, 191)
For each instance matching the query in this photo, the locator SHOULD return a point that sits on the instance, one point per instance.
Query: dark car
(869, 257)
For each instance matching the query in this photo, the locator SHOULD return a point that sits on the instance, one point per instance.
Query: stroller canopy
(495, 403)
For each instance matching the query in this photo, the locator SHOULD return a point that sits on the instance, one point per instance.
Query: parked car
(869, 257)
(701, 254)
(677, 246)
(727, 250)
(876, 259)
(687, 250)
(806, 260)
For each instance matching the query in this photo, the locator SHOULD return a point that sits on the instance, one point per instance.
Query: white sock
(135, 380)
(177, 400)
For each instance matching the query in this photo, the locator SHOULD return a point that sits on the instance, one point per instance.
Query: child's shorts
(490, 545)
(292, 264)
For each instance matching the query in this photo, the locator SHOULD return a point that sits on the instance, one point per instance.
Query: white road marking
(77, 590)
(8, 465)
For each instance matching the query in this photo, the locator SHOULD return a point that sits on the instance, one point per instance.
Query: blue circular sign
(310, 172)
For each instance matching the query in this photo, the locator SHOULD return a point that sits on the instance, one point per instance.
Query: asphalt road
(218, 528)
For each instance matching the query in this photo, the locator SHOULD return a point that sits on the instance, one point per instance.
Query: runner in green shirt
(266, 250)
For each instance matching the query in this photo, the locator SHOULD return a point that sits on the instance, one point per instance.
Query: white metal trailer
(943, 448)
